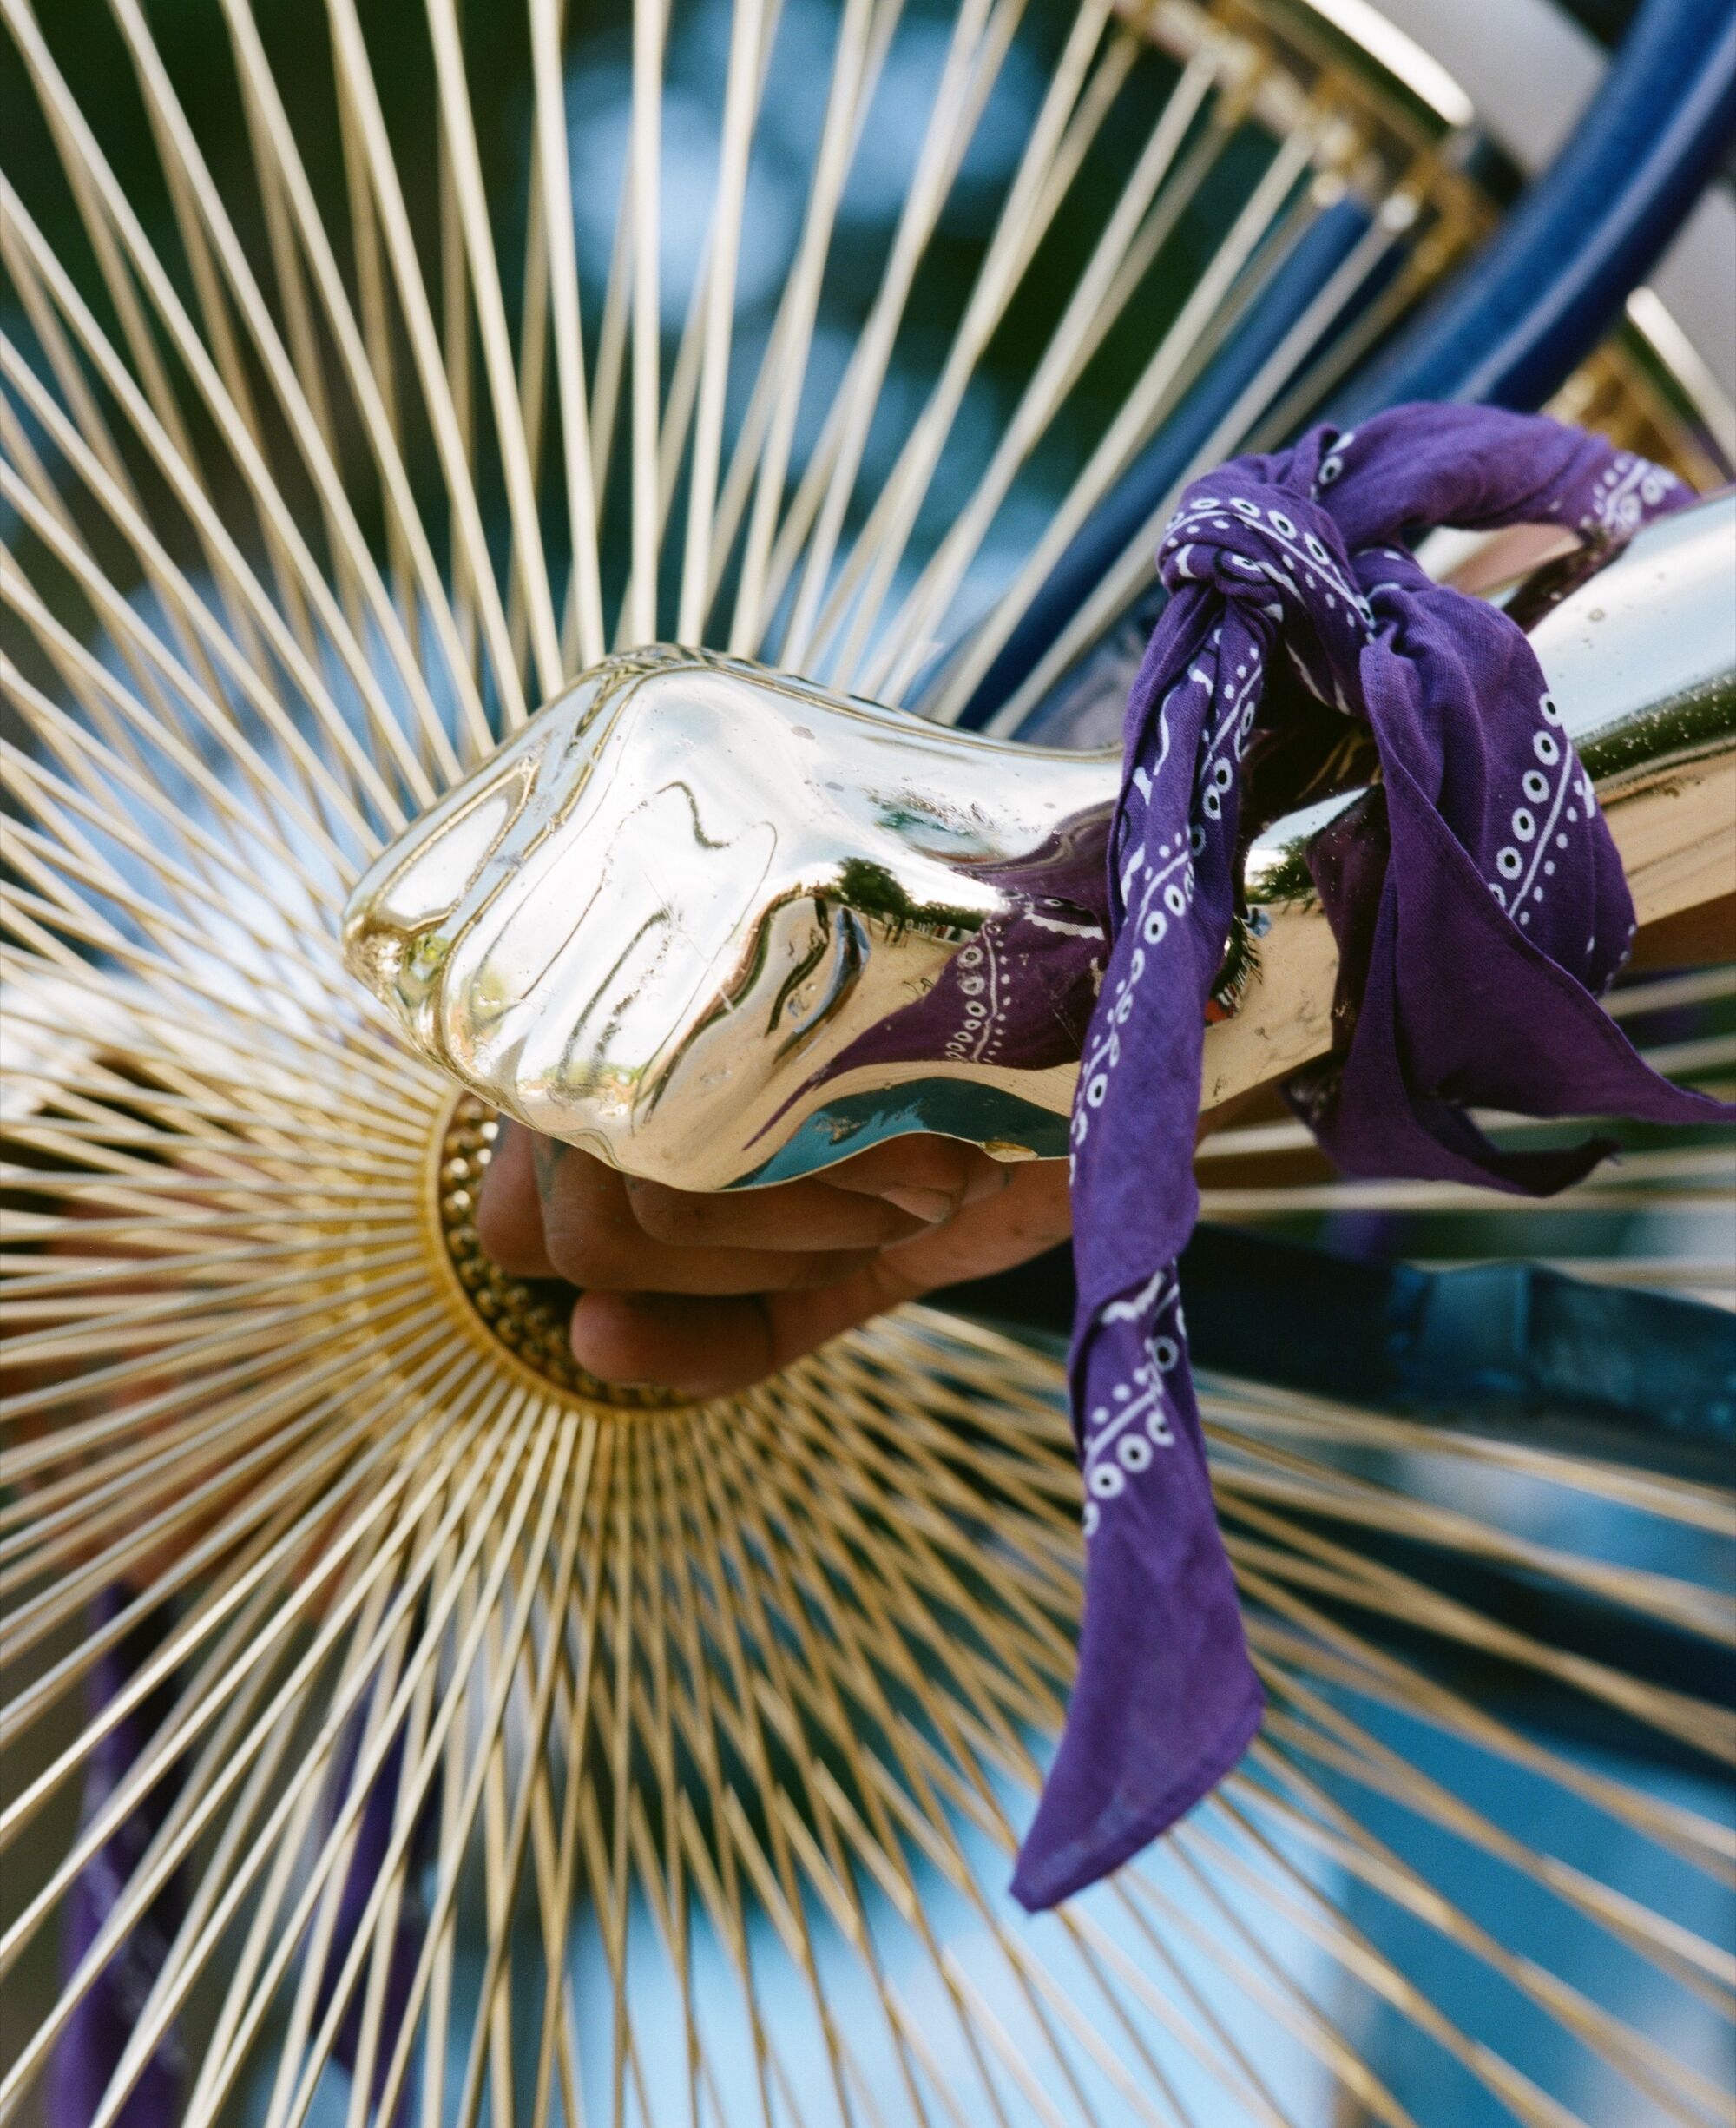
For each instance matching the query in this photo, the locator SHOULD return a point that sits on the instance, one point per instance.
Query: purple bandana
(1472, 958)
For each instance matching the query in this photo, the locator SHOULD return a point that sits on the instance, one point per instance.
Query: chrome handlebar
(721, 927)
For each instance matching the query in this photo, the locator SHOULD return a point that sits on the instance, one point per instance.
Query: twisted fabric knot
(1280, 558)
(1480, 909)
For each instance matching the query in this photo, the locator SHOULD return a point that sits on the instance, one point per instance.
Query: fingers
(888, 1194)
(810, 1215)
(654, 1340)
(508, 1210)
(934, 1178)
(710, 1347)
(1030, 1215)
(707, 1294)
(549, 1209)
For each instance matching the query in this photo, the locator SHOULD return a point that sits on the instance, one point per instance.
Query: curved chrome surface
(719, 925)
(1643, 660)
(722, 927)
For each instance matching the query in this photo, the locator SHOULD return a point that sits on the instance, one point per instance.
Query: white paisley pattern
(1155, 885)
(1123, 1433)
(1156, 874)
(1557, 801)
(1629, 491)
(1465, 997)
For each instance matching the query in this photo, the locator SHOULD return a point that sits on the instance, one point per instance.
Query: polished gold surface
(720, 926)
(665, 922)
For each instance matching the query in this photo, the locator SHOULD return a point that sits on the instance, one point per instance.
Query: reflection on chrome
(720, 926)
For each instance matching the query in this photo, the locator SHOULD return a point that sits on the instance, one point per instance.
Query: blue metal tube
(1509, 328)
(1317, 256)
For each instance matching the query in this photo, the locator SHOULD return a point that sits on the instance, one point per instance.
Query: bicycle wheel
(455, 1738)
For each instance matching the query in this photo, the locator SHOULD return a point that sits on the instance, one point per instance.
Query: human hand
(705, 1293)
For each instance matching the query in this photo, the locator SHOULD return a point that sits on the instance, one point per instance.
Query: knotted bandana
(1472, 963)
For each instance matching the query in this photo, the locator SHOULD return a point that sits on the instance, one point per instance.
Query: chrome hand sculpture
(718, 927)
(721, 927)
